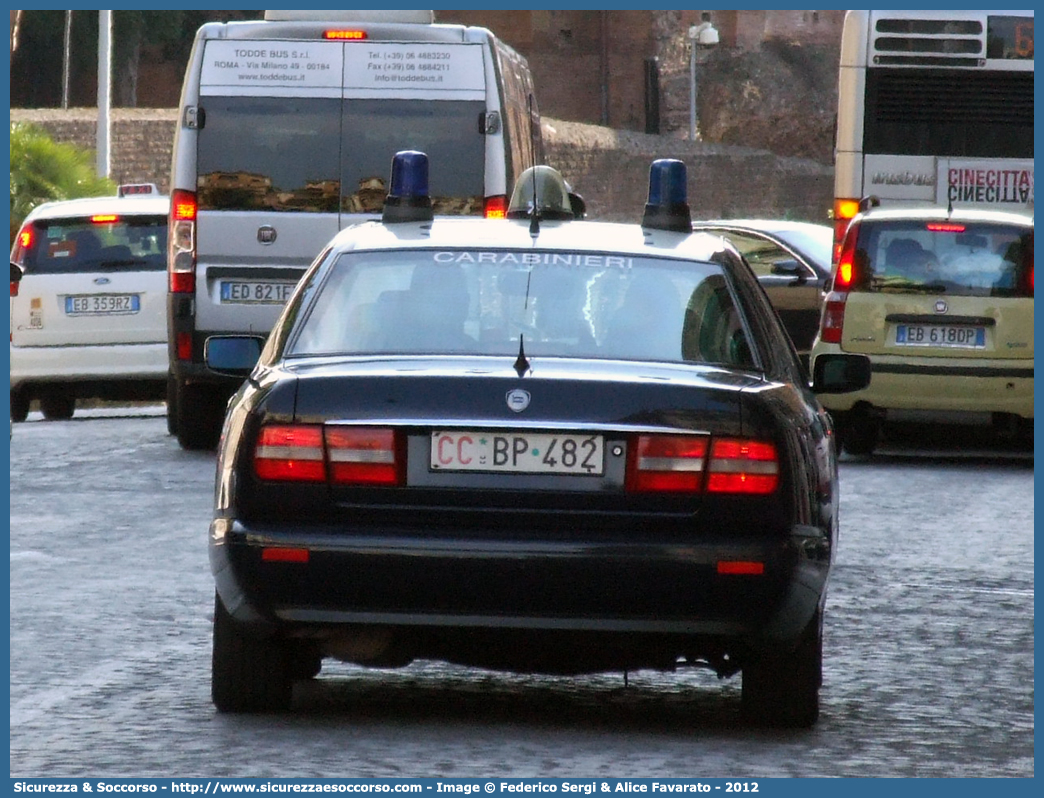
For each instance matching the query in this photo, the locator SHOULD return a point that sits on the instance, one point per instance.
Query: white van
(286, 134)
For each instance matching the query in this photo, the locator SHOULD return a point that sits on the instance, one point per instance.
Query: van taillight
(340, 455)
(696, 463)
(181, 257)
(833, 318)
(495, 207)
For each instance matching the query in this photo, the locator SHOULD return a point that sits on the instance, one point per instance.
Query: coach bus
(934, 108)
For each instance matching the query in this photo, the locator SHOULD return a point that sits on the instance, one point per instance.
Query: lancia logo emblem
(518, 400)
(266, 234)
(940, 306)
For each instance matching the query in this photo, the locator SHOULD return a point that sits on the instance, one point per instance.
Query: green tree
(43, 170)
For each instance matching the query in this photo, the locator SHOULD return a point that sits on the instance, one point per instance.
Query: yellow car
(942, 304)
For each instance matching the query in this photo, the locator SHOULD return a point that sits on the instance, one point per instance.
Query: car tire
(306, 661)
(782, 689)
(19, 406)
(172, 405)
(57, 407)
(858, 431)
(248, 673)
(199, 413)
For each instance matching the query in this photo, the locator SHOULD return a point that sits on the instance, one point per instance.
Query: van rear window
(325, 155)
(954, 258)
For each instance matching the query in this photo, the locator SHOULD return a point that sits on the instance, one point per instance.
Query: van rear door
(426, 96)
(267, 166)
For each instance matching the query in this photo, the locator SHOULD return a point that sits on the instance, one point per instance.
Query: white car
(88, 317)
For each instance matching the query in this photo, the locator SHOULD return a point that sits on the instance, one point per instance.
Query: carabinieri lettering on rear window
(535, 258)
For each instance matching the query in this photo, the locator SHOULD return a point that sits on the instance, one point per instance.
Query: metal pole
(67, 58)
(104, 86)
(692, 90)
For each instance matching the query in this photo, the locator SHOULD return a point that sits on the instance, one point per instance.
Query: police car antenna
(521, 365)
(534, 222)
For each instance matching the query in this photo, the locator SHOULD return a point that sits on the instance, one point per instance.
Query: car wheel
(248, 673)
(172, 405)
(782, 689)
(199, 413)
(858, 431)
(19, 406)
(57, 407)
(306, 661)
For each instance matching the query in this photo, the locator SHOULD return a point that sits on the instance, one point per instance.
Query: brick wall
(609, 167)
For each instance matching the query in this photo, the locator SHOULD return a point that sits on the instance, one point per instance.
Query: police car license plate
(517, 452)
(961, 336)
(102, 304)
(256, 292)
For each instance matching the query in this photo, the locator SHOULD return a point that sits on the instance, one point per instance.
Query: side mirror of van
(234, 355)
(840, 373)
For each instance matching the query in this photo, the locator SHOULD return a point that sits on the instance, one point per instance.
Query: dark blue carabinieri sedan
(534, 444)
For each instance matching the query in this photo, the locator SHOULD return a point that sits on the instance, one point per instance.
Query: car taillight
(833, 318)
(340, 455)
(696, 463)
(845, 209)
(742, 466)
(495, 207)
(181, 258)
(666, 463)
(292, 453)
(104, 218)
(25, 237)
(362, 456)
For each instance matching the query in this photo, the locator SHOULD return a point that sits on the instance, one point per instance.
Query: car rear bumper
(58, 364)
(398, 580)
(943, 385)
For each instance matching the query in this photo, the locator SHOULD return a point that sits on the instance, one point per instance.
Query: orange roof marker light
(345, 35)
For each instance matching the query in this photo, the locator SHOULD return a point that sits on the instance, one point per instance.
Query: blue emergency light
(668, 206)
(408, 199)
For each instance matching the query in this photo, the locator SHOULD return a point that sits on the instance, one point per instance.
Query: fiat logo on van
(941, 306)
(266, 234)
(518, 400)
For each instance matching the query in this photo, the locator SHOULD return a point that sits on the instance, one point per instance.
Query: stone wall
(610, 168)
